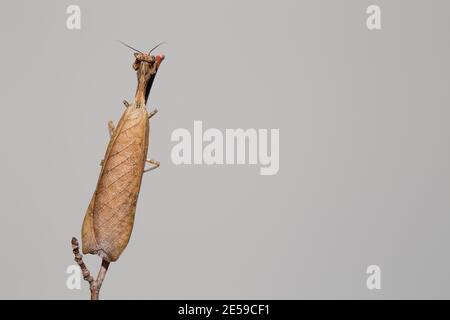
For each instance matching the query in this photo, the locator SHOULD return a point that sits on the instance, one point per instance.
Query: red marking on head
(159, 58)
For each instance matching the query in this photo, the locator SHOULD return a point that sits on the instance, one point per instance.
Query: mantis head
(146, 66)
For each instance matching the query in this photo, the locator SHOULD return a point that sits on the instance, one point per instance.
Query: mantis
(109, 219)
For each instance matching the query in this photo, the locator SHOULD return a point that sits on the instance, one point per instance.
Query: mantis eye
(136, 64)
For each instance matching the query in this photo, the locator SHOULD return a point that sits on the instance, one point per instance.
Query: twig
(79, 259)
(95, 289)
(94, 285)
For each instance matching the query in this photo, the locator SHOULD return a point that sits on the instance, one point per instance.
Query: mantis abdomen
(109, 219)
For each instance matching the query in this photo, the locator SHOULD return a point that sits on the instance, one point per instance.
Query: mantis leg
(111, 132)
(154, 163)
(111, 128)
(151, 114)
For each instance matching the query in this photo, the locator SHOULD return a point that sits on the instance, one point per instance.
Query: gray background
(364, 160)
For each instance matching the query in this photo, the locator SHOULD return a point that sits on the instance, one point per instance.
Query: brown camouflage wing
(110, 216)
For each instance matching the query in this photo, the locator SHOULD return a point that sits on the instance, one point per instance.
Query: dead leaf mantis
(109, 219)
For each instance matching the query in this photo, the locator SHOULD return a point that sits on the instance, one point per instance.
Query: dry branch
(94, 285)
